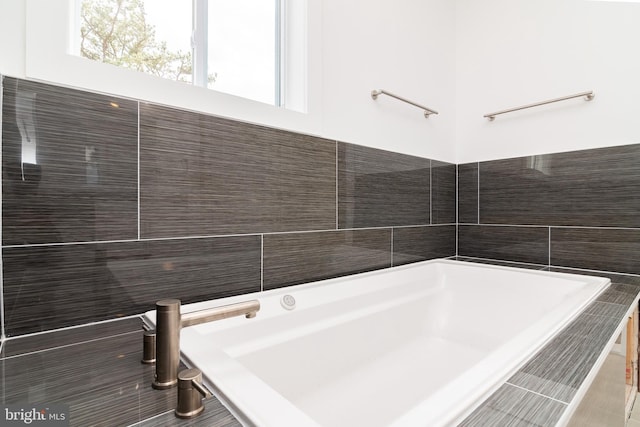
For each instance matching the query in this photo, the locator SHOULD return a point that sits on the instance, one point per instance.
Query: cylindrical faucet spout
(167, 343)
(168, 324)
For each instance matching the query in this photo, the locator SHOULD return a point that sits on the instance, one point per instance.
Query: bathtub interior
(384, 347)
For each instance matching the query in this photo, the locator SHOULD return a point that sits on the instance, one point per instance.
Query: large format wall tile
(581, 188)
(65, 337)
(520, 244)
(69, 162)
(443, 193)
(378, 188)
(295, 258)
(597, 249)
(203, 175)
(468, 193)
(48, 287)
(412, 244)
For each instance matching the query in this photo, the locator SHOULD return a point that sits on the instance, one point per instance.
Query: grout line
(391, 246)
(3, 337)
(604, 302)
(457, 206)
(478, 179)
(138, 170)
(215, 236)
(68, 328)
(146, 420)
(69, 345)
(261, 262)
(596, 271)
(2, 331)
(586, 227)
(577, 227)
(507, 225)
(503, 261)
(539, 394)
(549, 248)
(421, 226)
(337, 212)
(431, 192)
(551, 266)
(220, 236)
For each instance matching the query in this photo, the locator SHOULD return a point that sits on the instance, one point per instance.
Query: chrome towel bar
(587, 95)
(427, 111)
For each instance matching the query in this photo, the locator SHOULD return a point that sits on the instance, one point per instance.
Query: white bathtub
(416, 345)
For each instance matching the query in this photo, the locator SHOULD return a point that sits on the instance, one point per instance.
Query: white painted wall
(516, 52)
(405, 46)
(12, 37)
(464, 58)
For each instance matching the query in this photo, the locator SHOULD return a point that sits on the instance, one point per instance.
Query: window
(231, 46)
(52, 46)
(243, 48)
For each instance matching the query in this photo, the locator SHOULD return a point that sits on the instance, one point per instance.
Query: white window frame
(48, 58)
(200, 42)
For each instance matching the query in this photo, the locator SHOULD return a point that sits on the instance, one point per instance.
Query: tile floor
(634, 419)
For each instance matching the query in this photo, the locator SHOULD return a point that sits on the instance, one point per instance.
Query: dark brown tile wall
(48, 287)
(296, 258)
(378, 188)
(412, 244)
(83, 185)
(597, 248)
(443, 193)
(203, 175)
(129, 202)
(587, 201)
(519, 244)
(579, 188)
(468, 193)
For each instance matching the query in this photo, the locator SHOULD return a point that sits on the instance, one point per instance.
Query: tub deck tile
(102, 381)
(515, 407)
(214, 415)
(558, 370)
(599, 308)
(552, 377)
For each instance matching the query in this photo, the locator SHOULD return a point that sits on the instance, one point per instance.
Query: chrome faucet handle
(190, 393)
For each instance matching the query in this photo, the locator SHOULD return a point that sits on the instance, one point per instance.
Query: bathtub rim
(228, 398)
